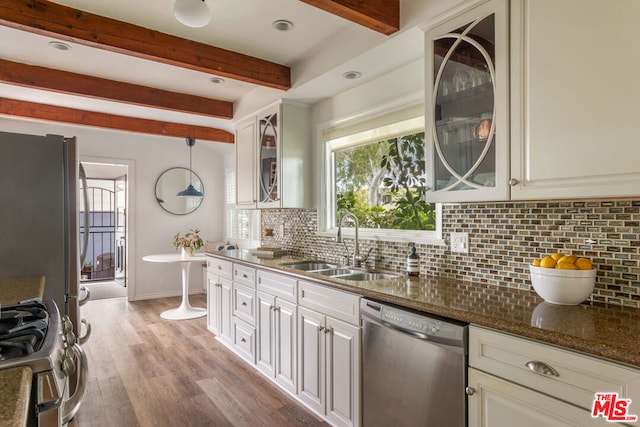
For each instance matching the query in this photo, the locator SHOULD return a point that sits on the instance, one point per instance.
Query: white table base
(185, 311)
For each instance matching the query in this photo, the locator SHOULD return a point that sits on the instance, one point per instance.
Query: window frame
(327, 214)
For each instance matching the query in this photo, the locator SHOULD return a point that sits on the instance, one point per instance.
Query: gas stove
(35, 335)
(23, 328)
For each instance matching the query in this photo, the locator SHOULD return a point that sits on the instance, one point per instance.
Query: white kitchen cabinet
(514, 380)
(276, 352)
(565, 119)
(219, 298)
(574, 109)
(279, 159)
(466, 105)
(244, 340)
(328, 360)
(246, 135)
(276, 334)
(499, 403)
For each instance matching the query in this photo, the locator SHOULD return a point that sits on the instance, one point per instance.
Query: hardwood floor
(147, 371)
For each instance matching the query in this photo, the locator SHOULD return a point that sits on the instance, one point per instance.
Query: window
(376, 170)
(242, 225)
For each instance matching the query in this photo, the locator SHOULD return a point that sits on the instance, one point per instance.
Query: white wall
(153, 228)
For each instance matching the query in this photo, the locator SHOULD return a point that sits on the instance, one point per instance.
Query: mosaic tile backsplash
(504, 238)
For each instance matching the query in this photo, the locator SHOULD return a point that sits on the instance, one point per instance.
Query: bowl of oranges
(563, 279)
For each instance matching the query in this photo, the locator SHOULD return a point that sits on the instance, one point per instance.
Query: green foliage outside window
(383, 184)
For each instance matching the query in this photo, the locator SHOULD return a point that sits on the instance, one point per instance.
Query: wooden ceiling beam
(51, 113)
(93, 87)
(66, 23)
(382, 16)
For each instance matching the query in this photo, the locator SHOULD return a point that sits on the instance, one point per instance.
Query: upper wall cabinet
(570, 126)
(466, 105)
(575, 99)
(273, 158)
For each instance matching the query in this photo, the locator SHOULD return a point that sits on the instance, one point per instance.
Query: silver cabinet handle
(321, 328)
(513, 182)
(541, 368)
(328, 330)
(243, 340)
(83, 339)
(470, 391)
(87, 296)
(244, 303)
(245, 276)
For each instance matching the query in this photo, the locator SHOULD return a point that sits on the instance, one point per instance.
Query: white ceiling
(319, 49)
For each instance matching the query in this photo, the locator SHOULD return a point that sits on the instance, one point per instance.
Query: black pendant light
(190, 190)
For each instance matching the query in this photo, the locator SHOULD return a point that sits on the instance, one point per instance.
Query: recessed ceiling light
(59, 45)
(216, 80)
(351, 75)
(282, 25)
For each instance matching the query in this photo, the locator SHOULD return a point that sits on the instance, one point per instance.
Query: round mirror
(179, 180)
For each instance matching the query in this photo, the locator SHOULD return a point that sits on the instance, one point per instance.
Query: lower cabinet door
(342, 373)
(498, 403)
(285, 332)
(311, 359)
(226, 292)
(213, 304)
(265, 349)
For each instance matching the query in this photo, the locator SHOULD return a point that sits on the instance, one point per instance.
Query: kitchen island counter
(606, 331)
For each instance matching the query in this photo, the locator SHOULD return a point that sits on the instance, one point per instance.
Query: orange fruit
(557, 256)
(583, 264)
(568, 258)
(547, 262)
(536, 262)
(566, 266)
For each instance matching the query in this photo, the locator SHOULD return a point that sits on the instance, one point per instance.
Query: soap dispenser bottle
(413, 261)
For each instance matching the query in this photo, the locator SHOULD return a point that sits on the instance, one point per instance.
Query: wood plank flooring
(147, 371)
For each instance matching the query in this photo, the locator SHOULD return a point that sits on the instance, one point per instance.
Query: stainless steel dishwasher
(413, 368)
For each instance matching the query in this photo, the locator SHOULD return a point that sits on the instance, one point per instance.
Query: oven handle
(71, 406)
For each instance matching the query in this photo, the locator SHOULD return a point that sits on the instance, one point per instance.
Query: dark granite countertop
(15, 384)
(606, 331)
(15, 289)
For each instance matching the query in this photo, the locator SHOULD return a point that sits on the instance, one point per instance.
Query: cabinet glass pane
(268, 127)
(464, 106)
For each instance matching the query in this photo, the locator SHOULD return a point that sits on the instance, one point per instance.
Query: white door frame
(131, 198)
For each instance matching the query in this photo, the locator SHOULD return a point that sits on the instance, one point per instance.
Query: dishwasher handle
(456, 345)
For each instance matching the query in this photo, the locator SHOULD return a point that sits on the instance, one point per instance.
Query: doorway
(104, 271)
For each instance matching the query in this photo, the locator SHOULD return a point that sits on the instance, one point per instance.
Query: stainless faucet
(357, 258)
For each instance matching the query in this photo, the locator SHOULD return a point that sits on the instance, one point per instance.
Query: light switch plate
(460, 242)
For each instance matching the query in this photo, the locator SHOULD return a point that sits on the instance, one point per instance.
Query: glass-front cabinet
(273, 157)
(268, 157)
(466, 105)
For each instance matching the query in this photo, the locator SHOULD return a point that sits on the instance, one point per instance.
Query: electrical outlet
(460, 242)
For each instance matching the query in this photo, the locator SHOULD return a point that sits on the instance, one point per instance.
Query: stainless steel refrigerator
(39, 214)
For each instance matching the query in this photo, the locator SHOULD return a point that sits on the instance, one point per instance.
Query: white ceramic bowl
(566, 287)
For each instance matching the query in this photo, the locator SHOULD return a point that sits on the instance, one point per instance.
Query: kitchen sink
(337, 272)
(310, 266)
(361, 276)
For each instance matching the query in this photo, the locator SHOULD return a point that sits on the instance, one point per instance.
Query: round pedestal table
(185, 311)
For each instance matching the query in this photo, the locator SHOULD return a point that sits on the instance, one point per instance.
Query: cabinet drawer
(278, 285)
(245, 275)
(244, 303)
(578, 378)
(219, 267)
(340, 305)
(244, 340)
